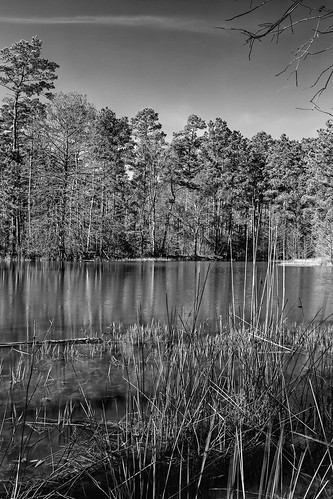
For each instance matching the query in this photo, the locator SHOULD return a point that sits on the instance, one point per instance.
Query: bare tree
(318, 19)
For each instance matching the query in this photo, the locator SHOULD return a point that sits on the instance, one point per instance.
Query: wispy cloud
(153, 22)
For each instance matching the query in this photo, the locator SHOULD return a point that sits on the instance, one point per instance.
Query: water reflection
(79, 298)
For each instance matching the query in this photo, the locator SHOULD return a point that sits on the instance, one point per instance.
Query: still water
(73, 299)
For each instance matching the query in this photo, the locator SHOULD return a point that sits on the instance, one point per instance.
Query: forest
(81, 183)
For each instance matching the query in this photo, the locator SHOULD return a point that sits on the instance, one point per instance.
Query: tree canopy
(77, 182)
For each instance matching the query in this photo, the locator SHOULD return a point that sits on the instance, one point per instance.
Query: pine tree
(24, 74)
(110, 187)
(319, 160)
(147, 163)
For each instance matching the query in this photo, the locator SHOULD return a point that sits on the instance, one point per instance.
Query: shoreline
(297, 262)
(306, 262)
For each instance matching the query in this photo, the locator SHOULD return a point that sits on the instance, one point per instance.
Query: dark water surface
(85, 298)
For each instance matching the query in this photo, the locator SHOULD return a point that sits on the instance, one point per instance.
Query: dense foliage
(76, 182)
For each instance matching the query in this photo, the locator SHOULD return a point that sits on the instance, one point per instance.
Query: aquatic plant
(205, 414)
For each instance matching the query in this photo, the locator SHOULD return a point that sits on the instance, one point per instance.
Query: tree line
(82, 183)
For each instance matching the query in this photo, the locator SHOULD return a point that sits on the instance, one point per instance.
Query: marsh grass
(173, 411)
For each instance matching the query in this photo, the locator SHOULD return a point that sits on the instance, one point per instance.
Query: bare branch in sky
(318, 20)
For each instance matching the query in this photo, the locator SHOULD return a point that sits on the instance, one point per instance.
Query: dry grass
(233, 410)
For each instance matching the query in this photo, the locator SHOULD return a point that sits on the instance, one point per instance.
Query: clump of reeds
(226, 411)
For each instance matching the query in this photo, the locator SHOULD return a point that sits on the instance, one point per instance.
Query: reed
(173, 410)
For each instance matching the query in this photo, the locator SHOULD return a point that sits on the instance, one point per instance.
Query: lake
(51, 398)
(68, 300)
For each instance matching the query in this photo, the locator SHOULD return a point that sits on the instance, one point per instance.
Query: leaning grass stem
(205, 453)
(296, 473)
(274, 482)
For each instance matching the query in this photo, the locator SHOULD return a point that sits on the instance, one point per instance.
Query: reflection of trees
(89, 298)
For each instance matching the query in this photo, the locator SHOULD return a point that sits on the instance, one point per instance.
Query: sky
(171, 56)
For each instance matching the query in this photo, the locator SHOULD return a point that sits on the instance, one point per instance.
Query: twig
(51, 342)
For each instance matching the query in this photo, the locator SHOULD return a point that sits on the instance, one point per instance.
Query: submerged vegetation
(170, 411)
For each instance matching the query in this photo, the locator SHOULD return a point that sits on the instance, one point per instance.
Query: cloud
(152, 22)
